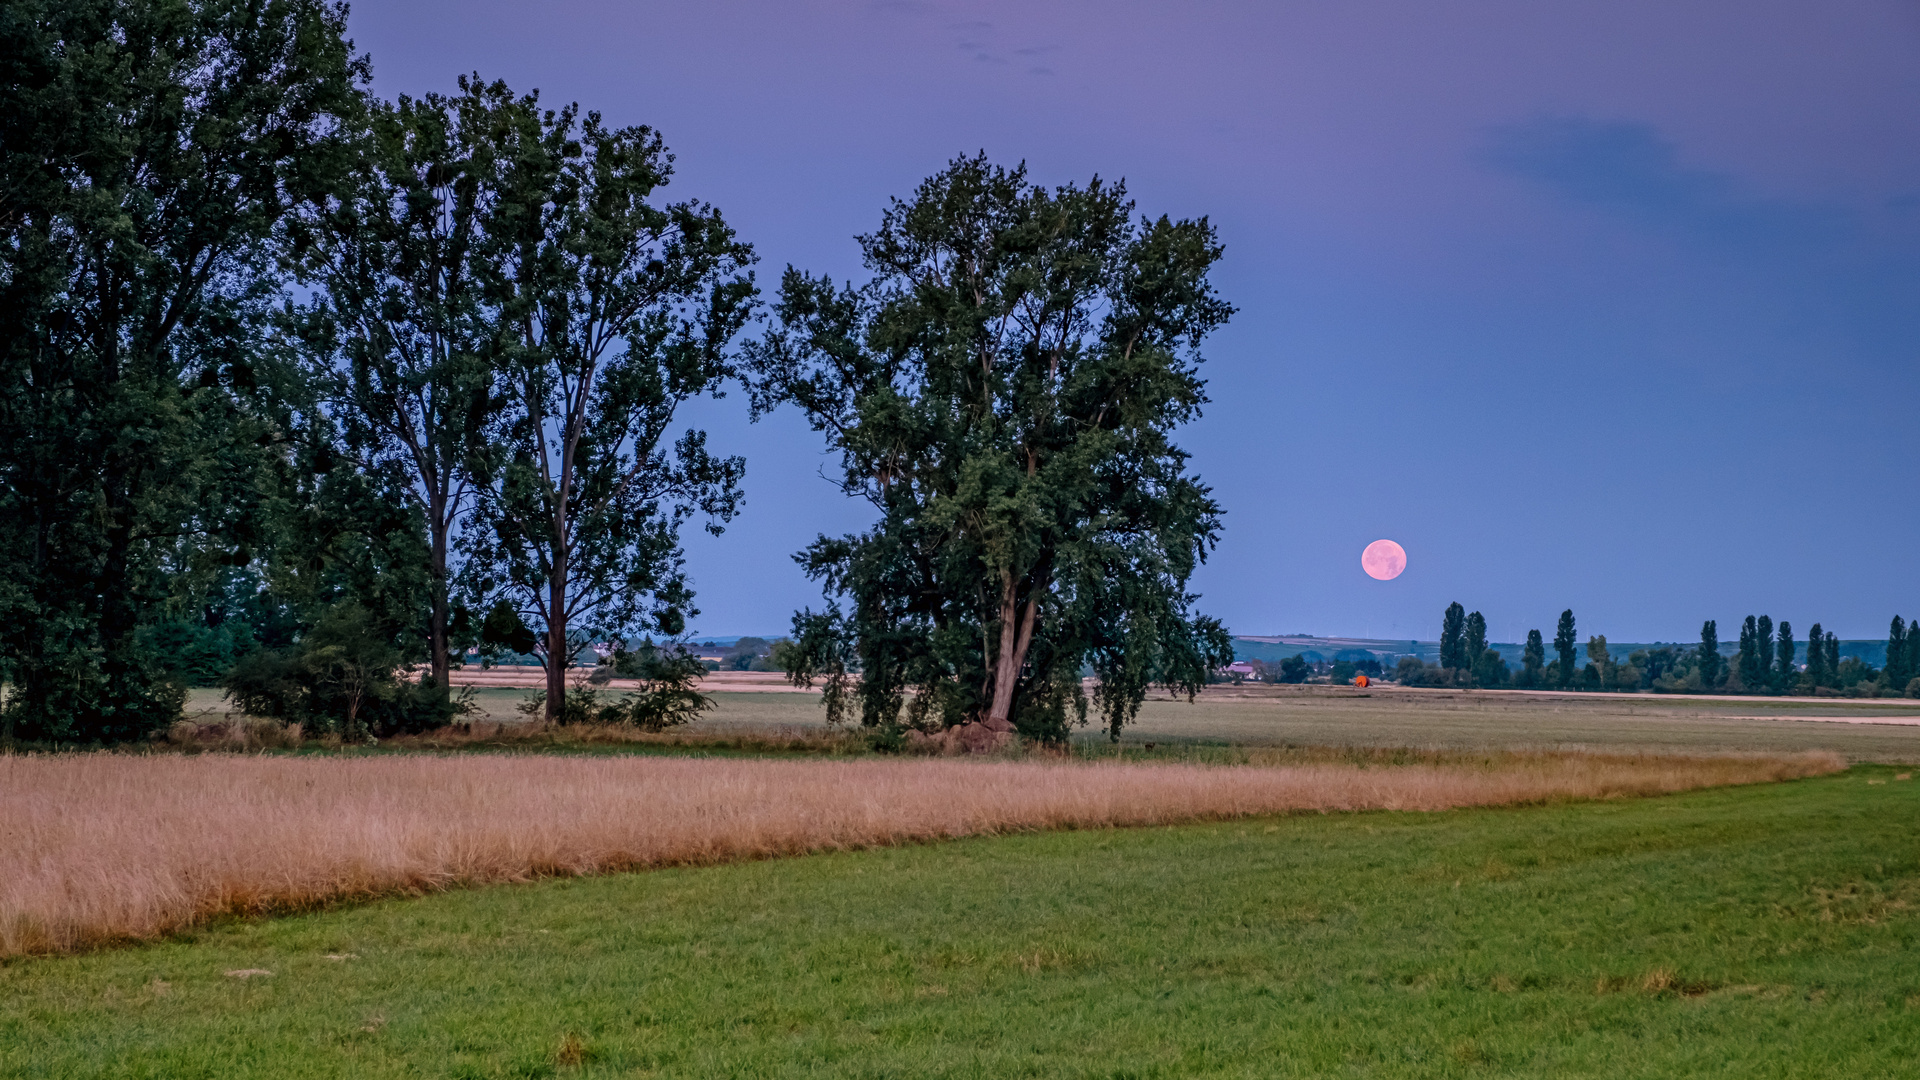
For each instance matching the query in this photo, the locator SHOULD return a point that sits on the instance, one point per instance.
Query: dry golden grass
(103, 847)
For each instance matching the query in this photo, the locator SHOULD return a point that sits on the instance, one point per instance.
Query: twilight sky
(1604, 305)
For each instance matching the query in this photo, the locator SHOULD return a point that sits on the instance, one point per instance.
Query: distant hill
(1389, 652)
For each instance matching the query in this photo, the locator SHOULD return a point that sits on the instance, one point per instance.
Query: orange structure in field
(1360, 681)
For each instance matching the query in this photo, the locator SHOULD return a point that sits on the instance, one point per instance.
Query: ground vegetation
(1755, 931)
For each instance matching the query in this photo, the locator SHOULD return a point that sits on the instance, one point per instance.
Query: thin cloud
(1633, 170)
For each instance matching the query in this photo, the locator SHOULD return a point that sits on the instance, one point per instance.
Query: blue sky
(1612, 306)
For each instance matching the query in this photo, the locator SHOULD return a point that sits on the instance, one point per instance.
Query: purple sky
(1612, 306)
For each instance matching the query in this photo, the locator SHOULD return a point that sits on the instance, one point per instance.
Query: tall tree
(1004, 391)
(1900, 654)
(1785, 674)
(407, 346)
(1453, 638)
(1564, 643)
(1532, 659)
(1762, 654)
(1833, 655)
(616, 309)
(1487, 667)
(153, 151)
(1747, 666)
(1818, 674)
(1600, 659)
(1707, 656)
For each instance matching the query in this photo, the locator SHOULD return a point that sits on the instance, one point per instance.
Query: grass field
(106, 848)
(1325, 716)
(1766, 931)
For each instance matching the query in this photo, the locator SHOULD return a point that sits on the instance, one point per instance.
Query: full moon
(1383, 560)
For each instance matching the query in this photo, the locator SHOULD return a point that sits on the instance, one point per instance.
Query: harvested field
(102, 847)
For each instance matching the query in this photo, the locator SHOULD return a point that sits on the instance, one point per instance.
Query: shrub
(666, 697)
(340, 678)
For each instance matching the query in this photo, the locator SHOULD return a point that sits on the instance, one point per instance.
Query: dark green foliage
(667, 696)
(1707, 656)
(1003, 391)
(1854, 674)
(1484, 666)
(1785, 674)
(754, 654)
(1600, 663)
(503, 631)
(1453, 633)
(398, 337)
(1350, 663)
(1833, 656)
(1295, 669)
(1658, 666)
(1490, 670)
(1563, 645)
(613, 309)
(1762, 676)
(1901, 642)
(581, 705)
(1818, 673)
(820, 649)
(1412, 671)
(1533, 660)
(345, 579)
(339, 678)
(197, 646)
(152, 150)
(1746, 672)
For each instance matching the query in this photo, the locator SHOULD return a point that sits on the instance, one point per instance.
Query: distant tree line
(1299, 668)
(1766, 662)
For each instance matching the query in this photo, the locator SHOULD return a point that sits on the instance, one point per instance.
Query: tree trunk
(557, 632)
(1016, 635)
(440, 661)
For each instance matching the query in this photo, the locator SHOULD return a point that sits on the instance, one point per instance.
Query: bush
(666, 698)
(1295, 669)
(341, 678)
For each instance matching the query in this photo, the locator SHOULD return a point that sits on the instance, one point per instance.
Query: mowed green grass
(1769, 931)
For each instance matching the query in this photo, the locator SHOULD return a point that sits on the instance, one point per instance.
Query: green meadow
(1768, 931)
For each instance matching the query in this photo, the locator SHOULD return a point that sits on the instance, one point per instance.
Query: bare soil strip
(99, 848)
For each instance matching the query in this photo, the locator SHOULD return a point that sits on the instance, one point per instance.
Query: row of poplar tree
(302, 386)
(1766, 662)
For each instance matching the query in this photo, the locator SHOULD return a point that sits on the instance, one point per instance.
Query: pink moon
(1383, 560)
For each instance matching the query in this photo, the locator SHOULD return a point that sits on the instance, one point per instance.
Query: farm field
(1488, 720)
(108, 848)
(1763, 931)
(1325, 716)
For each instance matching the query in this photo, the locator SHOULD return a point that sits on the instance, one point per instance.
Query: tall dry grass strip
(96, 848)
